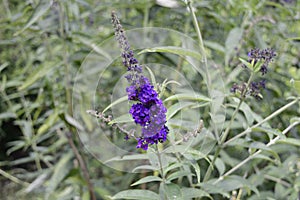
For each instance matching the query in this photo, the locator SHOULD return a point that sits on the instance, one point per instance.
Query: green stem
(201, 44)
(13, 179)
(224, 136)
(277, 112)
(236, 167)
(160, 163)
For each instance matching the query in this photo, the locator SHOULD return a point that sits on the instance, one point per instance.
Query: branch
(273, 141)
(82, 166)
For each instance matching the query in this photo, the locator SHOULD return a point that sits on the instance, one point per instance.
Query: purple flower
(132, 93)
(161, 136)
(255, 89)
(140, 114)
(234, 88)
(148, 111)
(265, 55)
(147, 94)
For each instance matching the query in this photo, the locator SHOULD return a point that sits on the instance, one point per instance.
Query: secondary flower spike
(252, 88)
(148, 110)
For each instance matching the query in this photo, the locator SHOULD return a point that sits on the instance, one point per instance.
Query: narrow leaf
(73, 122)
(120, 100)
(189, 193)
(178, 174)
(147, 179)
(188, 96)
(42, 71)
(177, 107)
(136, 194)
(175, 50)
(172, 191)
(39, 11)
(122, 119)
(128, 157)
(62, 168)
(145, 167)
(292, 141)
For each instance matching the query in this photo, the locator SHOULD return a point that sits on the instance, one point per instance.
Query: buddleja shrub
(209, 162)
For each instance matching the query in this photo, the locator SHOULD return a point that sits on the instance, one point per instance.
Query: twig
(256, 153)
(82, 166)
(277, 112)
(191, 134)
(278, 180)
(201, 44)
(129, 134)
(13, 179)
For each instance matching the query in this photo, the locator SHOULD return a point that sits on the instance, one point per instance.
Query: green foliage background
(43, 44)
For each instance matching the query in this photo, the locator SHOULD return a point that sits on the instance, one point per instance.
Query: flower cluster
(259, 59)
(148, 110)
(265, 55)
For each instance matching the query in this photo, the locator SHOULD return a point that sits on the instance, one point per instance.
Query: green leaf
(122, 119)
(172, 166)
(189, 193)
(147, 179)
(39, 11)
(178, 174)
(297, 86)
(245, 62)
(262, 146)
(213, 189)
(220, 166)
(175, 50)
(120, 100)
(96, 48)
(155, 160)
(214, 46)
(42, 71)
(197, 170)
(196, 154)
(73, 122)
(269, 131)
(153, 80)
(3, 66)
(49, 122)
(233, 182)
(292, 141)
(172, 191)
(61, 170)
(177, 107)
(176, 149)
(136, 194)
(293, 38)
(15, 145)
(26, 127)
(257, 66)
(188, 96)
(145, 167)
(259, 145)
(128, 157)
(87, 119)
(264, 157)
(232, 41)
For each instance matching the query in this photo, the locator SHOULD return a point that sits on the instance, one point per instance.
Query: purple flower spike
(148, 110)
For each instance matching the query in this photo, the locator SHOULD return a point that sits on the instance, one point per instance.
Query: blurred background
(43, 44)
